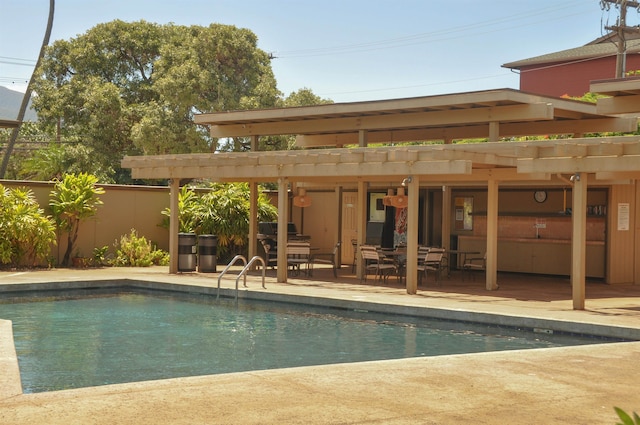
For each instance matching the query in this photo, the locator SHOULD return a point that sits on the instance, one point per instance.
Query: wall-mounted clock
(540, 195)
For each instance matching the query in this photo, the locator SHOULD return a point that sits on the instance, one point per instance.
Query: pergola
(8, 123)
(496, 115)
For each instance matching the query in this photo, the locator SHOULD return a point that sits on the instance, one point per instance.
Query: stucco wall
(124, 208)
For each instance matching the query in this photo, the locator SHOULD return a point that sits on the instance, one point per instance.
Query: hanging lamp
(400, 200)
(302, 200)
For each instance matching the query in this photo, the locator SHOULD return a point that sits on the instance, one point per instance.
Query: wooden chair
(474, 263)
(298, 256)
(433, 262)
(373, 262)
(326, 258)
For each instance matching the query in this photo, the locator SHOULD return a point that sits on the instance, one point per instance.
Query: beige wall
(124, 208)
(621, 252)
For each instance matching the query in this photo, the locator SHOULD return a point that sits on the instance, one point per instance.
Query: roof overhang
(625, 96)
(490, 114)
(468, 115)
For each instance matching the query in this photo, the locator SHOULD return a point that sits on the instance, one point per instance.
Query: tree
(132, 88)
(27, 94)
(74, 198)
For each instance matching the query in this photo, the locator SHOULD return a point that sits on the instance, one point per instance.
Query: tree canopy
(131, 88)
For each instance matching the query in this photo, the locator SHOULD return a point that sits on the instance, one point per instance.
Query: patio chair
(326, 258)
(354, 245)
(298, 256)
(270, 253)
(373, 262)
(432, 262)
(474, 264)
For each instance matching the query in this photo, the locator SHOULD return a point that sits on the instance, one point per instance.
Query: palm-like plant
(74, 198)
(26, 234)
(223, 211)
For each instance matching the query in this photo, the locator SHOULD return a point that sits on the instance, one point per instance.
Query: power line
(435, 36)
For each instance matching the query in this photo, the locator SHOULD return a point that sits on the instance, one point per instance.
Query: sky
(344, 50)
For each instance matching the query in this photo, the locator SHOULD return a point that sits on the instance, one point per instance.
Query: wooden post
(283, 221)
(492, 235)
(362, 223)
(579, 240)
(253, 220)
(412, 235)
(174, 224)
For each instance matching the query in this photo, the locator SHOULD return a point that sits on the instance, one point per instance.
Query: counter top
(531, 240)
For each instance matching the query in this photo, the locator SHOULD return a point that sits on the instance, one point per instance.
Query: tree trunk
(27, 94)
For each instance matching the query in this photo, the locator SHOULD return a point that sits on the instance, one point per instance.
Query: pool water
(71, 341)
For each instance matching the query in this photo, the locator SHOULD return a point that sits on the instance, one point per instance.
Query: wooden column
(338, 214)
(362, 223)
(446, 218)
(579, 240)
(492, 236)
(174, 224)
(362, 138)
(253, 220)
(412, 235)
(283, 220)
(494, 131)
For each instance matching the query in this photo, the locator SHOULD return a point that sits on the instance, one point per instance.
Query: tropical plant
(74, 198)
(136, 251)
(26, 234)
(223, 211)
(626, 418)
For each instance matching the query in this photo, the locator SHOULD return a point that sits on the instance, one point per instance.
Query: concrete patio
(558, 385)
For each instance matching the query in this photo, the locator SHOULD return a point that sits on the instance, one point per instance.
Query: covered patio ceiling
(493, 114)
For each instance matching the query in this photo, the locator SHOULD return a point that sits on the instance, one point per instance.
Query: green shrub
(26, 234)
(74, 198)
(136, 251)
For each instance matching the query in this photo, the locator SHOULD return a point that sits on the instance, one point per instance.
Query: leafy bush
(136, 251)
(26, 234)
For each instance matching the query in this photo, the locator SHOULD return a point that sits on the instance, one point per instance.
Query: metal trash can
(186, 252)
(207, 253)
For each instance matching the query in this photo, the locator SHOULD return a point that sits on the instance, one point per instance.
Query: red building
(569, 72)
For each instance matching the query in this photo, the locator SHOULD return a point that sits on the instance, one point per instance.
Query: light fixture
(400, 200)
(407, 180)
(302, 200)
(575, 177)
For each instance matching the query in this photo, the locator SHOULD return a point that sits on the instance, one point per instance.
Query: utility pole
(621, 29)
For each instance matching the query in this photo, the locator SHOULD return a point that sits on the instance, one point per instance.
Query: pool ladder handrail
(243, 272)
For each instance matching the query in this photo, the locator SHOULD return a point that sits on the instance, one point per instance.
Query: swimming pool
(97, 337)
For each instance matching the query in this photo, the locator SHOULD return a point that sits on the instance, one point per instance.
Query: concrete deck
(558, 385)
